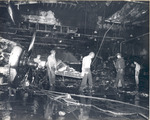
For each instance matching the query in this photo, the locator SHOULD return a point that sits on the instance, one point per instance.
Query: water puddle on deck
(34, 104)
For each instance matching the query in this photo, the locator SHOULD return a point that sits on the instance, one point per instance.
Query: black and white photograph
(74, 60)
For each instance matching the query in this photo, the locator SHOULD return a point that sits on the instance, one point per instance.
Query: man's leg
(137, 78)
(49, 76)
(117, 79)
(52, 76)
(122, 78)
(90, 81)
(84, 82)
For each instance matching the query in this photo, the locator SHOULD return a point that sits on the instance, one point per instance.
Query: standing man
(86, 71)
(119, 65)
(137, 72)
(51, 67)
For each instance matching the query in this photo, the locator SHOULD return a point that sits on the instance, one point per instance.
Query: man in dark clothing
(119, 65)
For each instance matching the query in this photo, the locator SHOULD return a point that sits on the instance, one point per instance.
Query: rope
(102, 43)
(98, 98)
(114, 113)
(55, 97)
(143, 116)
(91, 97)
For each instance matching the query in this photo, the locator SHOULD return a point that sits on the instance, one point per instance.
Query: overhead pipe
(130, 40)
(86, 35)
(27, 36)
(11, 33)
(48, 44)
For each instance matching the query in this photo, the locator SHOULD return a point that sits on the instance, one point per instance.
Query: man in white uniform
(86, 71)
(137, 72)
(51, 67)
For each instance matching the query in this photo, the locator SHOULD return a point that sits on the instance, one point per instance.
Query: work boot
(82, 89)
(91, 90)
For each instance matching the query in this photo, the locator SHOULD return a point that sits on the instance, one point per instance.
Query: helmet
(118, 54)
(53, 52)
(92, 54)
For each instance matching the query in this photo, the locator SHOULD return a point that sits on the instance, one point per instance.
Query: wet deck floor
(65, 102)
(33, 103)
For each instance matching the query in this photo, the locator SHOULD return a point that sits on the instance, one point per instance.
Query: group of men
(119, 66)
(50, 64)
(86, 74)
(120, 69)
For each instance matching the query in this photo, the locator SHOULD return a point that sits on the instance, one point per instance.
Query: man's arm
(114, 64)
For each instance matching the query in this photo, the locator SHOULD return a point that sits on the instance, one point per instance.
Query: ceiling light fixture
(131, 35)
(46, 35)
(60, 41)
(138, 38)
(95, 32)
(78, 34)
(72, 37)
(144, 11)
(112, 39)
